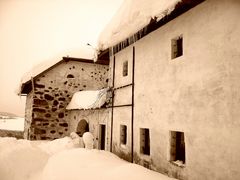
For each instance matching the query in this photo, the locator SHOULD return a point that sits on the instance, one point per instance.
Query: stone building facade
(49, 92)
(176, 109)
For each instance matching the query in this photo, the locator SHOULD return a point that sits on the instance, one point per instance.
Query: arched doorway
(82, 127)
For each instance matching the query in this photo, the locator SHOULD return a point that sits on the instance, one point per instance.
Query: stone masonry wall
(53, 92)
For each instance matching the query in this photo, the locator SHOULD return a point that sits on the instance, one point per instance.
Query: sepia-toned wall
(28, 115)
(94, 118)
(54, 90)
(197, 93)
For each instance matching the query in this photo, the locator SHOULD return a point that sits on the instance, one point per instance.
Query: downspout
(111, 141)
(132, 120)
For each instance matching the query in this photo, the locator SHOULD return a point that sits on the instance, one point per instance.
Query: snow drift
(59, 160)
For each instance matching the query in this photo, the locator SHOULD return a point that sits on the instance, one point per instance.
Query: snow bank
(56, 160)
(132, 16)
(12, 124)
(88, 99)
(77, 164)
(57, 145)
(20, 160)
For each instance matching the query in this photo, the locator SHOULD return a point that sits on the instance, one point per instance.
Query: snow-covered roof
(88, 99)
(84, 53)
(131, 17)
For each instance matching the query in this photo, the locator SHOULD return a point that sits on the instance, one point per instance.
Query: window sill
(145, 156)
(178, 163)
(124, 146)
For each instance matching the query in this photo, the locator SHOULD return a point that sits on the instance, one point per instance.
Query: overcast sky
(32, 31)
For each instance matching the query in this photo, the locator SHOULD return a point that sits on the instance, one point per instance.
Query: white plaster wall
(121, 80)
(123, 96)
(28, 115)
(197, 93)
(122, 116)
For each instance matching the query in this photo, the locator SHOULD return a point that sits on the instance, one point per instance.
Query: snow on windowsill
(124, 146)
(178, 163)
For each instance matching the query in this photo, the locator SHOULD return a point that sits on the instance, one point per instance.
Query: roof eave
(153, 25)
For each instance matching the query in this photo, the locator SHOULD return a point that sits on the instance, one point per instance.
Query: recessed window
(125, 68)
(144, 141)
(177, 47)
(70, 76)
(123, 134)
(177, 149)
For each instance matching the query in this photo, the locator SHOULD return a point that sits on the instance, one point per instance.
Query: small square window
(177, 47)
(125, 68)
(123, 134)
(144, 141)
(177, 149)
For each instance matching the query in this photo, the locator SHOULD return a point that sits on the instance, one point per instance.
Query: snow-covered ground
(61, 160)
(12, 124)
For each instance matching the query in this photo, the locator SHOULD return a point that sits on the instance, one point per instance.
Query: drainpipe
(132, 118)
(111, 140)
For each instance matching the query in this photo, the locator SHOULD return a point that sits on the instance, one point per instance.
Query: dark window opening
(144, 141)
(102, 134)
(125, 68)
(123, 134)
(177, 47)
(177, 150)
(70, 76)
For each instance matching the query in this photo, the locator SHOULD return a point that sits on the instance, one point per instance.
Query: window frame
(177, 147)
(123, 134)
(177, 47)
(125, 68)
(145, 141)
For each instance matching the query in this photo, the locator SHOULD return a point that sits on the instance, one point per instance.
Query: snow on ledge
(88, 99)
(131, 17)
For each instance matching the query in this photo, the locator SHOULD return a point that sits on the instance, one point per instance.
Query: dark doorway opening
(82, 127)
(102, 134)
